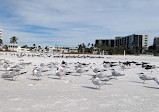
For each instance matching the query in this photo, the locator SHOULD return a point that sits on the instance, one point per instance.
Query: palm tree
(5, 47)
(88, 44)
(80, 48)
(47, 48)
(13, 40)
(1, 42)
(39, 47)
(92, 48)
(34, 45)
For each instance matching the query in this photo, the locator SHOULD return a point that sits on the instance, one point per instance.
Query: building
(1, 33)
(55, 50)
(17, 48)
(73, 49)
(1, 38)
(14, 47)
(138, 42)
(107, 42)
(156, 42)
(134, 40)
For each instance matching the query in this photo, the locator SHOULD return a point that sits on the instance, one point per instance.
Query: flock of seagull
(12, 70)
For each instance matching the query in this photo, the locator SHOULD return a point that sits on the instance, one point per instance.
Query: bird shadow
(2, 70)
(150, 87)
(77, 75)
(88, 74)
(49, 74)
(108, 84)
(54, 78)
(10, 79)
(34, 79)
(138, 82)
(88, 87)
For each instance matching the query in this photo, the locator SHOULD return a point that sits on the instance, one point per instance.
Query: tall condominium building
(156, 42)
(134, 40)
(107, 42)
(0, 33)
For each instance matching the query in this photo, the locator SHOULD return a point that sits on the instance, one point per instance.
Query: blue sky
(72, 22)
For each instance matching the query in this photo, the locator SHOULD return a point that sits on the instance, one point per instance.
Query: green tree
(34, 45)
(47, 48)
(25, 46)
(13, 40)
(5, 47)
(39, 47)
(88, 44)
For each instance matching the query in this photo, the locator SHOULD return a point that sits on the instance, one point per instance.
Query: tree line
(90, 48)
(135, 50)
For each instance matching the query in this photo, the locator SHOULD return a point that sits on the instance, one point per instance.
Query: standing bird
(60, 72)
(105, 65)
(96, 70)
(116, 74)
(156, 80)
(6, 65)
(42, 65)
(98, 82)
(144, 77)
(64, 64)
(80, 70)
(123, 67)
(12, 74)
(103, 76)
(37, 72)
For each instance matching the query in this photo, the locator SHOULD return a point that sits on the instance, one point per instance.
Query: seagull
(18, 67)
(81, 65)
(144, 77)
(96, 70)
(42, 65)
(105, 65)
(97, 81)
(51, 65)
(37, 72)
(21, 61)
(12, 74)
(80, 70)
(123, 67)
(156, 80)
(6, 65)
(116, 74)
(103, 76)
(60, 72)
(64, 64)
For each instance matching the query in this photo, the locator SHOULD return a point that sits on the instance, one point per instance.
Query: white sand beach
(78, 93)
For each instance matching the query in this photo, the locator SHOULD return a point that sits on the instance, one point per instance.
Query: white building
(1, 33)
(17, 48)
(1, 37)
(55, 50)
(73, 49)
(14, 47)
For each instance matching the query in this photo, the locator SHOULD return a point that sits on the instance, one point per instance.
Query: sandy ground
(127, 94)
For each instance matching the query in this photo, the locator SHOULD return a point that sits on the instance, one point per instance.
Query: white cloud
(80, 21)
